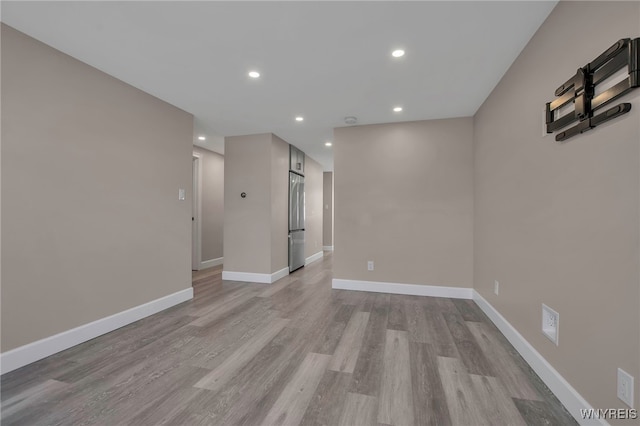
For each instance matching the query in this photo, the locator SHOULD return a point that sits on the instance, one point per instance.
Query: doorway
(196, 245)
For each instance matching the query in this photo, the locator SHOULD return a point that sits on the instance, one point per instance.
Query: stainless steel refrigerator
(296, 221)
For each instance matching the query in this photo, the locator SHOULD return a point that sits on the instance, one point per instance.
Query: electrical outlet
(370, 265)
(625, 387)
(496, 287)
(550, 323)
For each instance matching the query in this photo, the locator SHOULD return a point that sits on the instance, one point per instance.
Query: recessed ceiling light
(202, 138)
(299, 118)
(397, 109)
(397, 53)
(254, 74)
(328, 144)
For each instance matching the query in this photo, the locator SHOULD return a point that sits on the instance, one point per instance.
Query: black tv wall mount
(581, 88)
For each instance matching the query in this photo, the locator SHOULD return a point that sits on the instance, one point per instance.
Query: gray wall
(404, 199)
(313, 207)
(256, 227)
(327, 209)
(279, 204)
(212, 215)
(557, 223)
(91, 169)
(247, 224)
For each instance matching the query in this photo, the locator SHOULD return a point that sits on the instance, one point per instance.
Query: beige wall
(557, 223)
(279, 204)
(247, 224)
(212, 214)
(404, 199)
(91, 169)
(256, 227)
(327, 209)
(313, 189)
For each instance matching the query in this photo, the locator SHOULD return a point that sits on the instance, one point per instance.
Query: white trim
(396, 288)
(211, 263)
(23, 355)
(327, 248)
(252, 277)
(249, 277)
(313, 258)
(567, 395)
(279, 274)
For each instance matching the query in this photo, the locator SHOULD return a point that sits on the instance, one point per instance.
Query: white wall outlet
(625, 387)
(181, 194)
(370, 265)
(550, 323)
(496, 287)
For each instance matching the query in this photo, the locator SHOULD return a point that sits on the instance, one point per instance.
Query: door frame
(196, 211)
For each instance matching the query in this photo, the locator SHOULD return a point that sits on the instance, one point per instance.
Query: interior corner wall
(404, 199)
(247, 224)
(558, 223)
(91, 167)
(212, 214)
(279, 204)
(256, 227)
(327, 209)
(313, 185)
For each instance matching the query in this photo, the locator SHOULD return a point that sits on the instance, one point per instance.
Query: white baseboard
(279, 274)
(23, 355)
(410, 289)
(327, 248)
(252, 277)
(313, 258)
(211, 263)
(567, 395)
(249, 277)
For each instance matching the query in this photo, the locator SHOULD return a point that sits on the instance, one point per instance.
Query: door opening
(195, 213)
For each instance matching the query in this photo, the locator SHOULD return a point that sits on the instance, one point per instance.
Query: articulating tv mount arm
(581, 90)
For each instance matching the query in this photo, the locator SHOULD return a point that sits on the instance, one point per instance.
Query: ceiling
(320, 60)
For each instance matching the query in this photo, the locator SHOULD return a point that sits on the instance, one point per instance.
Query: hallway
(294, 352)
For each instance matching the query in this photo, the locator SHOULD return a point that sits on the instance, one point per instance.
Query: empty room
(320, 213)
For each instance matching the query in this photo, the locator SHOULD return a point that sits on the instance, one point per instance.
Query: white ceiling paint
(322, 60)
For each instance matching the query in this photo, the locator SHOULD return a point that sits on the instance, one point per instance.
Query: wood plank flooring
(294, 352)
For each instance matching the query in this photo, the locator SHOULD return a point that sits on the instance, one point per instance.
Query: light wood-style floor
(294, 352)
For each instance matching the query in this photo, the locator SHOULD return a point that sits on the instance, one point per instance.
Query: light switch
(181, 194)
